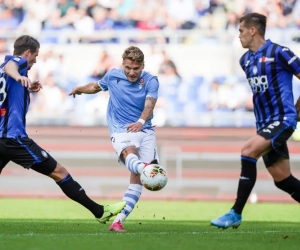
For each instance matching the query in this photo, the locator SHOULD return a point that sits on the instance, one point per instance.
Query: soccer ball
(154, 177)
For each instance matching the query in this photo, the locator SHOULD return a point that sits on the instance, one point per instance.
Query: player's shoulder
(17, 59)
(245, 58)
(278, 48)
(148, 77)
(115, 72)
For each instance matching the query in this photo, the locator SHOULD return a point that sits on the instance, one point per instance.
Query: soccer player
(15, 145)
(133, 94)
(269, 69)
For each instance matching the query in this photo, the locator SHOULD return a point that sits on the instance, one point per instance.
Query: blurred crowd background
(192, 45)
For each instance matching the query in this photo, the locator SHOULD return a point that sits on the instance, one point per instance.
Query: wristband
(141, 121)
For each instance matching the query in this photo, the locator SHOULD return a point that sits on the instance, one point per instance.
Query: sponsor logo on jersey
(258, 83)
(2, 112)
(266, 59)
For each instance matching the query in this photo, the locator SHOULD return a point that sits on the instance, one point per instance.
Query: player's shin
(133, 164)
(290, 185)
(246, 183)
(131, 197)
(75, 192)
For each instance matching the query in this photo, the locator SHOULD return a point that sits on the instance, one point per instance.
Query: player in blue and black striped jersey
(269, 69)
(16, 146)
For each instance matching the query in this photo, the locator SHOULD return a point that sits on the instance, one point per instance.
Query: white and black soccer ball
(154, 177)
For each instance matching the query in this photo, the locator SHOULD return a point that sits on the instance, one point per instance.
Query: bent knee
(59, 173)
(127, 151)
(280, 170)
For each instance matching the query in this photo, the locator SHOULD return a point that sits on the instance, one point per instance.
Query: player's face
(31, 58)
(245, 35)
(132, 70)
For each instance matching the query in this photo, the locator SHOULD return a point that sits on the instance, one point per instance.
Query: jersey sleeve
(103, 83)
(289, 60)
(152, 88)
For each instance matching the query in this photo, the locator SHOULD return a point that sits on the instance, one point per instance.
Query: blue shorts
(25, 152)
(278, 132)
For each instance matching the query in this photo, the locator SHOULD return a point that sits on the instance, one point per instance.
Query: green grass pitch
(62, 224)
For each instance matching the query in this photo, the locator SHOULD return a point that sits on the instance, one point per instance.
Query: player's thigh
(122, 141)
(256, 147)
(148, 149)
(3, 155)
(46, 167)
(276, 154)
(271, 137)
(3, 163)
(26, 153)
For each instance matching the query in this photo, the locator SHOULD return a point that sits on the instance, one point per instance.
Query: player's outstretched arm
(298, 107)
(90, 88)
(11, 69)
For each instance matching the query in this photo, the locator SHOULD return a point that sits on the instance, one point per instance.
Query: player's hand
(75, 92)
(134, 127)
(36, 86)
(25, 81)
(297, 105)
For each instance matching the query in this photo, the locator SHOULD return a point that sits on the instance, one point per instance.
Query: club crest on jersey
(254, 70)
(141, 82)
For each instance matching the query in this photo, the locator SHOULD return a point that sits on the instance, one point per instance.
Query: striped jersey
(14, 101)
(127, 100)
(270, 72)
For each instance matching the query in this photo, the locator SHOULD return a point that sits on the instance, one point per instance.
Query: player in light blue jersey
(133, 94)
(16, 146)
(269, 69)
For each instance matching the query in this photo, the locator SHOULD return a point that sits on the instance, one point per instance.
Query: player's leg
(251, 151)
(135, 160)
(3, 163)
(28, 154)
(147, 152)
(3, 154)
(268, 139)
(278, 165)
(132, 194)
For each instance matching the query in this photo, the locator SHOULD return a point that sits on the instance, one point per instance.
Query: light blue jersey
(127, 99)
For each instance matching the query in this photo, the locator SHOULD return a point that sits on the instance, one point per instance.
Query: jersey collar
(266, 44)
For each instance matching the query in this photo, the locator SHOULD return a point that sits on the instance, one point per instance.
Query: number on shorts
(2, 90)
(271, 126)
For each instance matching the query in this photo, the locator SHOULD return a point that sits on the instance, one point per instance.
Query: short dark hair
(24, 43)
(256, 20)
(134, 54)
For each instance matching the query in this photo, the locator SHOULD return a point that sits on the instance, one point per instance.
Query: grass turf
(62, 224)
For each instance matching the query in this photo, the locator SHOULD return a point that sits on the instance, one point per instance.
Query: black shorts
(25, 152)
(278, 132)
